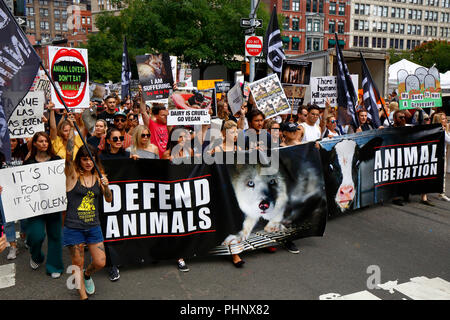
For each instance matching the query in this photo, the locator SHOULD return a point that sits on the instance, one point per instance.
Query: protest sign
(184, 76)
(26, 119)
(235, 98)
(188, 117)
(326, 87)
(155, 75)
(421, 89)
(296, 72)
(173, 66)
(269, 96)
(223, 86)
(295, 95)
(97, 91)
(33, 190)
(209, 84)
(69, 70)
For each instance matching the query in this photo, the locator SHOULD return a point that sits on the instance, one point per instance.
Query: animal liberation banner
(326, 87)
(155, 75)
(69, 70)
(421, 89)
(34, 189)
(184, 210)
(26, 119)
(269, 96)
(374, 166)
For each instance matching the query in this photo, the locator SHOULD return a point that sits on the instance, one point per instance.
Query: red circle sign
(253, 46)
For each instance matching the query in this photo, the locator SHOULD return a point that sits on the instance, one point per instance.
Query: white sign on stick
(188, 117)
(26, 119)
(235, 98)
(326, 87)
(33, 190)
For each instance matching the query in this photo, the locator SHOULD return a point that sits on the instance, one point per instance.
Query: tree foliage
(200, 32)
(427, 54)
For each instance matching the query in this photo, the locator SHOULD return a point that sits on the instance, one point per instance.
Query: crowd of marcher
(132, 128)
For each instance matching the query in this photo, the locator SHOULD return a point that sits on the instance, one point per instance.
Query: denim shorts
(73, 236)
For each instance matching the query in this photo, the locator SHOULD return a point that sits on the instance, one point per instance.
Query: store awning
(285, 39)
(295, 39)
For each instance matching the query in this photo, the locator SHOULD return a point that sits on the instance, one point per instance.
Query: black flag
(126, 71)
(273, 46)
(346, 98)
(371, 94)
(19, 65)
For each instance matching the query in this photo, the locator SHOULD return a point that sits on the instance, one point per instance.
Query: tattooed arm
(105, 189)
(70, 169)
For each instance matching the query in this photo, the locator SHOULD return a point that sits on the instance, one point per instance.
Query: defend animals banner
(173, 211)
(374, 166)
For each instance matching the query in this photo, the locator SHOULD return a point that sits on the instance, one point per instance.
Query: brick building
(309, 25)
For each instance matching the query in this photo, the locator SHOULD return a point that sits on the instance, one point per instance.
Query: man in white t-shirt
(312, 129)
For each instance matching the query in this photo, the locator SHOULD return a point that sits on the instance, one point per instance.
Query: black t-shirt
(108, 117)
(106, 155)
(33, 160)
(94, 141)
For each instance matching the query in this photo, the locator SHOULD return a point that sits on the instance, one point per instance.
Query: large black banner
(372, 167)
(165, 211)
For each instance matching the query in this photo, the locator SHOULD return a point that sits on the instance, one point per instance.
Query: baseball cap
(289, 127)
(120, 113)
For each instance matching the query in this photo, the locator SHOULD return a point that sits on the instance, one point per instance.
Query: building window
(295, 5)
(316, 44)
(308, 5)
(341, 27)
(286, 23)
(309, 25)
(286, 4)
(341, 9)
(57, 26)
(295, 43)
(332, 8)
(332, 27)
(295, 23)
(317, 26)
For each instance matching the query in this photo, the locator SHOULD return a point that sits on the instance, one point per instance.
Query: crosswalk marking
(418, 288)
(7, 275)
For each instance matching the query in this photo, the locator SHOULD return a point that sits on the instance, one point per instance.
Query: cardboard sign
(69, 70)
(155, 75)
(33, 190)
(296, 72)
(421, 89)
(235, 98)
(326, 87)
(188, 117)
(295, 95)
(269, 96)
(26, 119)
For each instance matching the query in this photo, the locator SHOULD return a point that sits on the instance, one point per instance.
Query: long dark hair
(50, 151)
(20, 151)
(83, 152)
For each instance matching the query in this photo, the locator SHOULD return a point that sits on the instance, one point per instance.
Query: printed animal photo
(152, 67)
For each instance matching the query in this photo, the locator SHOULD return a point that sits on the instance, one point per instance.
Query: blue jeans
(10, 229)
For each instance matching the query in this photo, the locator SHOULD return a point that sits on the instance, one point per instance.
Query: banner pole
(68, 111)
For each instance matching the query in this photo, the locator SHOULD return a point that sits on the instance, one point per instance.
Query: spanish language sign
(69, 71)
(421, 89)
(26, 119)
(33, 190)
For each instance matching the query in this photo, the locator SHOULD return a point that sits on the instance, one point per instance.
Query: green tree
(427, 54)
(200, 32)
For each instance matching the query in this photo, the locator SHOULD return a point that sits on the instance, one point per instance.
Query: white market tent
(411, 67)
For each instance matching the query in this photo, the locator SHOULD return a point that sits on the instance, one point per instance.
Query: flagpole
(75, 124)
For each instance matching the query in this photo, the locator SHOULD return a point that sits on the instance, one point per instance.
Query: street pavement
(383, 244)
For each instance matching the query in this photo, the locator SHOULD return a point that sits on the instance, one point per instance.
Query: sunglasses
(145, 135)
(115, 139)
(333, 121)
(120, 120)
(426, 119)
(402, 117)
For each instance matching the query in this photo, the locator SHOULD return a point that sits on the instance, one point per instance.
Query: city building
(310, 25)
(99, 6)
(398, 24)
(57, 22)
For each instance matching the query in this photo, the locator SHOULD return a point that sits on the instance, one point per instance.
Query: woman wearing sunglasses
(331, 130)
(114, 146)
(141, 147)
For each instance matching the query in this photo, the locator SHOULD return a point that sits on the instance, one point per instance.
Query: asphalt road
(403, 242)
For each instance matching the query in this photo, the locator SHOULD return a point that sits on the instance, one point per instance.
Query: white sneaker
(443, 197)
(13, 251)
(55, 275)
(33, 264)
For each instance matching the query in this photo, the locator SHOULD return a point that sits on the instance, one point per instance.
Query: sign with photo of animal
(155, 75)
(296, 72)
(269, 96)
(421, 89)
(374, 166)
